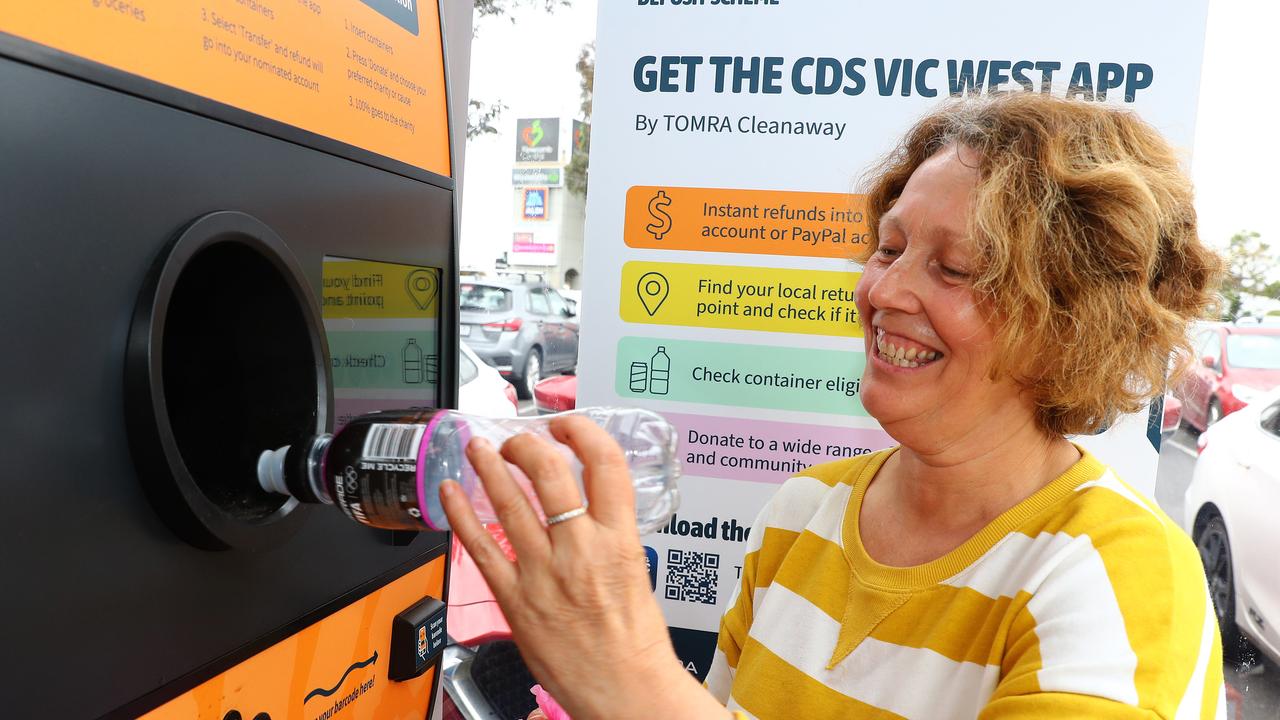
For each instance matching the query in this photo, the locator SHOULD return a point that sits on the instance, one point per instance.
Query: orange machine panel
(369, 73)
(336, 668)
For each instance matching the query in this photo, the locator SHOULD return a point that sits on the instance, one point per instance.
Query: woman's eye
(953, 273)
(887, 252)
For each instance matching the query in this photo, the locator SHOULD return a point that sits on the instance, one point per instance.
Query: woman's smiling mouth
(903, 352)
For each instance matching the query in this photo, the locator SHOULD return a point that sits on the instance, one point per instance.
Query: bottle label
(389, 441)
(371, 469)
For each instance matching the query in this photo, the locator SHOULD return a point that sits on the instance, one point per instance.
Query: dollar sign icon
(661, 224)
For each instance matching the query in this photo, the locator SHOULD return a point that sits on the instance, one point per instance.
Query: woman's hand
(577, 598)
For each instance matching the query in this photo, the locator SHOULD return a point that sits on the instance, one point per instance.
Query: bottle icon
(412, 362)
(384, 469)
(659, 372)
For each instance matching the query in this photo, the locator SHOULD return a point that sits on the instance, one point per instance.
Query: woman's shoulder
(1125, 531)
(845, 471)
(1114, 598)
(1108, 508)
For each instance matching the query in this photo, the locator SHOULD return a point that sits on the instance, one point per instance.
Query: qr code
(692, 576)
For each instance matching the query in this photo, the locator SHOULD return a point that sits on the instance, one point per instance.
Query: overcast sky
(529, 65)
(1236, 156)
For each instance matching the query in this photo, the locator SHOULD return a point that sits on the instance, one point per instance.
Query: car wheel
(1215, 555)
(1215, 413)
(532, 374)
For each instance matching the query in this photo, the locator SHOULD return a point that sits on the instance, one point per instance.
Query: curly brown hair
(1089, 262)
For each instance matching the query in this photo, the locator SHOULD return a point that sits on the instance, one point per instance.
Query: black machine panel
(105, 608)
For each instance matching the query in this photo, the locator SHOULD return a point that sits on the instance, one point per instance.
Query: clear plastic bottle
(384, 469)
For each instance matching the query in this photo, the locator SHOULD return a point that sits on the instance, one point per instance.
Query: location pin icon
(422, 287)
(652, 289)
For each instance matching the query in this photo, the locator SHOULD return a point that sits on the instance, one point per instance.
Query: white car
(481, 390)
(1232, 512)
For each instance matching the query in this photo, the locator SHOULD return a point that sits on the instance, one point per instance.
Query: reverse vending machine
(226, 225)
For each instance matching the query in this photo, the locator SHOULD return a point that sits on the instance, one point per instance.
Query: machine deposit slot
(227, 356)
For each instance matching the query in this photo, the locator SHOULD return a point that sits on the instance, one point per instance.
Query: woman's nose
(898, 286)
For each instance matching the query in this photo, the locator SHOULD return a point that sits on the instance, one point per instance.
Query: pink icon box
(765, 451)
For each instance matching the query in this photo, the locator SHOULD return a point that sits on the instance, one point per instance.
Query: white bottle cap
(271, 471)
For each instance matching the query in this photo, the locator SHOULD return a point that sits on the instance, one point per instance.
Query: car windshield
(1254, 351)
(485, 298)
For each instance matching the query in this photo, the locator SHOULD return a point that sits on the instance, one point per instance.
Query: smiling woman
(1081, 238)
(1033, 266)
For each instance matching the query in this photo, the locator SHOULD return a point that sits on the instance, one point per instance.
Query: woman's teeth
(903, 356)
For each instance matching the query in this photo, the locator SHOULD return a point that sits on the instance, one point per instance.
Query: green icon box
(758, 376)
(387, 360)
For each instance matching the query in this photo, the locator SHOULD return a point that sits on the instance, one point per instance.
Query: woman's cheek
(961, 321)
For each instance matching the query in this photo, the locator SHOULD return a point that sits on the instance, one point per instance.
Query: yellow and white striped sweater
(1083, 601)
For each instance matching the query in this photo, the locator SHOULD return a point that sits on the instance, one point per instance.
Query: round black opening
(226, 358)
(239, 373)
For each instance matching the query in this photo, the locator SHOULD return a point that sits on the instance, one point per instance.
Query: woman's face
(928, 342)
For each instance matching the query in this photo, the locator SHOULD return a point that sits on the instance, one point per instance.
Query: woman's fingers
(498, 571)
(604, 469)
(509, 502)
(549, 471)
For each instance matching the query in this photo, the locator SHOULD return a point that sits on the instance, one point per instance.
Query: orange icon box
(760, 222)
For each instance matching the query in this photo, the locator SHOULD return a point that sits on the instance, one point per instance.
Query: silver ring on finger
(567, 515)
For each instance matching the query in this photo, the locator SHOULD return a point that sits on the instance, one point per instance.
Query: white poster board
(717, 285)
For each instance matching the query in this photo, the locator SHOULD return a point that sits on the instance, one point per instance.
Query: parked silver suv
(523, 329)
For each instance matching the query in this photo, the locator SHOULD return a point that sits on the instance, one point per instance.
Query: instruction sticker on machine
(368, 73)
(382, 324)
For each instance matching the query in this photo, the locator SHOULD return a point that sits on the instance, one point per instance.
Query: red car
(556, 394)
(1238, 363)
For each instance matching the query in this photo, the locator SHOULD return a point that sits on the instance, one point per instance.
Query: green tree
(1251, 264)
(482, 115)
(575, 173)
(490, 8)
